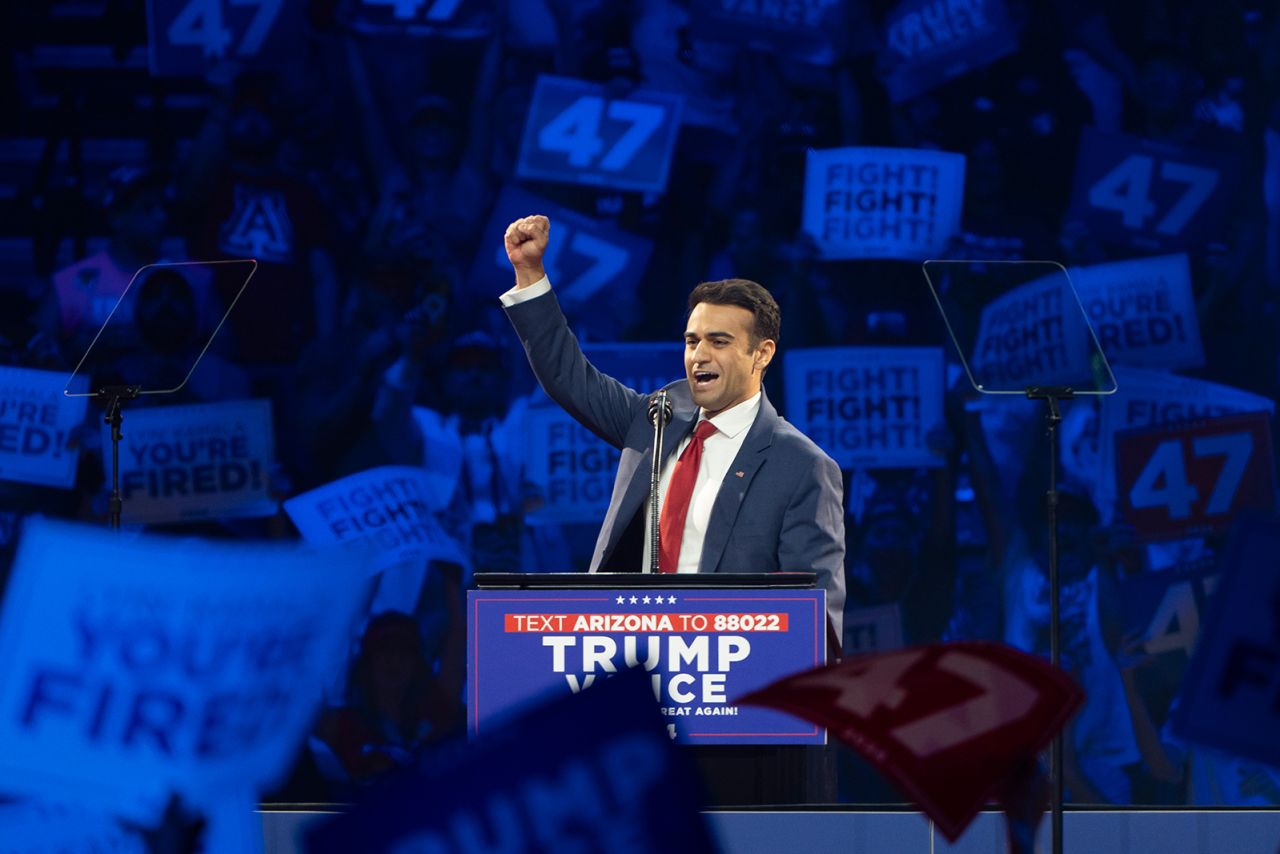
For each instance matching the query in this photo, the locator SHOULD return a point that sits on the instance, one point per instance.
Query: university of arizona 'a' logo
(259, 227)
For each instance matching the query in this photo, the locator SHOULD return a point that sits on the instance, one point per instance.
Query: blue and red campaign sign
(1148, 398)
(1150, 195)
(586, 772)
(577, 133)
(1194, 477)
(950, 724)
(187, 37)
(1231, 697)
(701, 649)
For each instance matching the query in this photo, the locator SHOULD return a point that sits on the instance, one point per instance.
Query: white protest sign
(1147, 398)
(141, 667)
(36, 424)
(385, 510)
(200, 461)
(1033, 335)
(868, 407)
(882, 202)
(1143, 311)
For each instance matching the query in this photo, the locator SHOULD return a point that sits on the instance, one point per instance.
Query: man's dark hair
(747, 294)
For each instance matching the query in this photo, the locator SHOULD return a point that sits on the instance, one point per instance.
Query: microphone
(659, 415)
(659, 403)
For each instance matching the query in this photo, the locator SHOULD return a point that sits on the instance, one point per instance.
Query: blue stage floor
(1184, 831)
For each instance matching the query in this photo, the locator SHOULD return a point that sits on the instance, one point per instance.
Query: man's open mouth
(704, 379)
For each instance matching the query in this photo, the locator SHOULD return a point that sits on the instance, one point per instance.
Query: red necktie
(679, 494)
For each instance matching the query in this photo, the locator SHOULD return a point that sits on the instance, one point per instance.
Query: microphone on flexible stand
(659, 415)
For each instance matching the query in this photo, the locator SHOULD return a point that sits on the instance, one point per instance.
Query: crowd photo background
(369, 154)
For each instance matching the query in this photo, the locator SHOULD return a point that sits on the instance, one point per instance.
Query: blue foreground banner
(590, 772)
(702, 649)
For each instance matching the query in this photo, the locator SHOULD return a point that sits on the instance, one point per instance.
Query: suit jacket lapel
(733, 490)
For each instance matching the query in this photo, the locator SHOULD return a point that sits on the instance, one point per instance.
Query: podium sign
(703, 649)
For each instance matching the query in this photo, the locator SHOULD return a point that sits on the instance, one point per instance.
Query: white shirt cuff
(515, 296)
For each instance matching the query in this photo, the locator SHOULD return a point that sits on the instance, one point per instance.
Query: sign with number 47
(187, 36)
(1148, 194)
(1194, 477)
(576, 133)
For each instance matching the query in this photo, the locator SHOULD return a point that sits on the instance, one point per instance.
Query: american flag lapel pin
(739, 474)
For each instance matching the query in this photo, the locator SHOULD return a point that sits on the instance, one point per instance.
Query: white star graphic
(646, 600)
(671, 600)
(622, 599)
(634, 600)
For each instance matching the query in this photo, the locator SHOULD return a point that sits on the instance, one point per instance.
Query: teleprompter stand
(1019, 329)
(1053, 396)
(190, 298)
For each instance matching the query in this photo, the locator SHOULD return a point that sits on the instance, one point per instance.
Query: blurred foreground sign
(1231, 696)
(588, 772)
(30, 827)
(140, 667)
(949, 724)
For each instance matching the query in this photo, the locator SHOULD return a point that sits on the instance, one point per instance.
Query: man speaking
(742, 490)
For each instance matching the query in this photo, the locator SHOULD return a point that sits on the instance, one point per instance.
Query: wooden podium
(705, 639)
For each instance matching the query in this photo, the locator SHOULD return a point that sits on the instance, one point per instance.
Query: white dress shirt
(718, 453)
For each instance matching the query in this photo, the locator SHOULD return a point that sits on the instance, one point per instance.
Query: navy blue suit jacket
(779, 508)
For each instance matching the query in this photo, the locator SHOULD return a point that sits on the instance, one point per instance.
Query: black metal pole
(115, 397)
(659, 414)
(1055, 626)
(115, 504)
(1052, 396)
